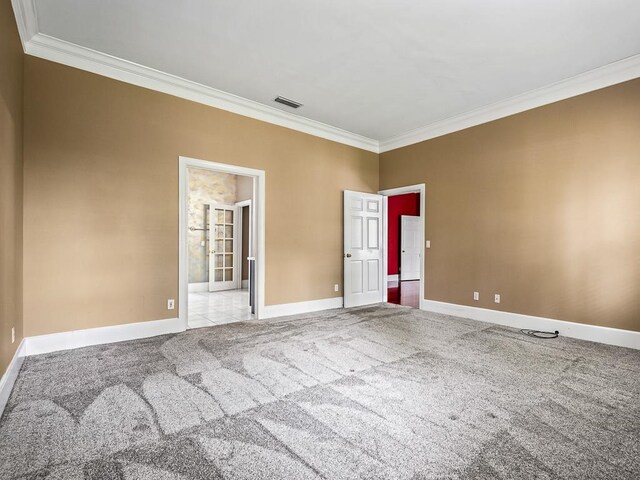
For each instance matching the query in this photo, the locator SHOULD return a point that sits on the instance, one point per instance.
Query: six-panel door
(363, 249)
(410, 247)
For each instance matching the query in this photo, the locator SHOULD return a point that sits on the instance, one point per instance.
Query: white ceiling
(377, 68)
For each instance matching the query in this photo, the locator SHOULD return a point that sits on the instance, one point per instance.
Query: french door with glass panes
(223, 247)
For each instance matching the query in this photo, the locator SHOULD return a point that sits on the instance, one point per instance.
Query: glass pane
(228, 246)
(219, 245)
(228, 216)
(219, 231)
(228, 274)
(218, 261)
(228, 260)
(228, 231)
(219, 216)
(218, 276)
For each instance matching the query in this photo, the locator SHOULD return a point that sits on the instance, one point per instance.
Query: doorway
(405, 244)
(221, 243)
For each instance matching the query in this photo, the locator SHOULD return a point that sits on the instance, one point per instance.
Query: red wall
(407, 204)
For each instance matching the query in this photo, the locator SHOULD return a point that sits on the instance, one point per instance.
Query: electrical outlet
(476, 295)
(496, 298)
(336, 288)
(13, 334)
(428, 244)
(171, 304)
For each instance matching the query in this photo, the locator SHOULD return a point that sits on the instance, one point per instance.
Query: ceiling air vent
(287, 102)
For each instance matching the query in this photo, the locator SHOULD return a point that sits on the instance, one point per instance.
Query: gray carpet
(381, 392)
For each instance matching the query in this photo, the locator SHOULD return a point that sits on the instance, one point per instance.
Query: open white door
(223, 247)
(363, 248)
(410, 243)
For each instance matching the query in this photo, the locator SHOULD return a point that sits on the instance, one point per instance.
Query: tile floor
(215, 308)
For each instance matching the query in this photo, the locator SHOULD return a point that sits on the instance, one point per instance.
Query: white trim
(244, 284)
(258, 214)
(237, 246)
(393, 278)
(199, 287)
(420, 188)
(241, 205)
(60, 51)
(385, 248)
(284, 309)
(593, 333)
(98, 336)
(9, 378)
(26, 19)
(605, 76)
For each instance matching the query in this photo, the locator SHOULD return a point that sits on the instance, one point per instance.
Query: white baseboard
(97, 336)
(9, 377)
(271, 311)
(593, 333)
(245, 284)
(199, 287)
(393, 278)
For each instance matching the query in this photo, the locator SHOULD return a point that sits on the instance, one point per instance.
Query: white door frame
(420, 188)
(241, 205)
(258, 223)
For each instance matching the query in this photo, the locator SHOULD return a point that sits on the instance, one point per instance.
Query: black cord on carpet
(540, 334)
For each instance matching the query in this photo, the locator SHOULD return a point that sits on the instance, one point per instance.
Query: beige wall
(542, 207)
(11, 58)
(101, 198)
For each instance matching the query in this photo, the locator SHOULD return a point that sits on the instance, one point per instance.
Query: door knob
(348, 255)
(212, 251)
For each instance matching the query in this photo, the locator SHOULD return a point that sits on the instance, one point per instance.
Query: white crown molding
(611, 74)
(49, 48)
(11, 374)
(582, 331)
(27, 20)
(60, 51)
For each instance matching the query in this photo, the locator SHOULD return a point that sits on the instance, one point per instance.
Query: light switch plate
(171, 304)
(428, 243)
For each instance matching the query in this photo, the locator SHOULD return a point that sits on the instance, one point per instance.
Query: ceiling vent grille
(287, 102)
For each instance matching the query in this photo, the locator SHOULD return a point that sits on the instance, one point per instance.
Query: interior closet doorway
(221, 243)
(404, 238)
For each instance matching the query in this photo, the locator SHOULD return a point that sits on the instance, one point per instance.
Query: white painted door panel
(410, 247)
(223, 247)
(363, 268)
